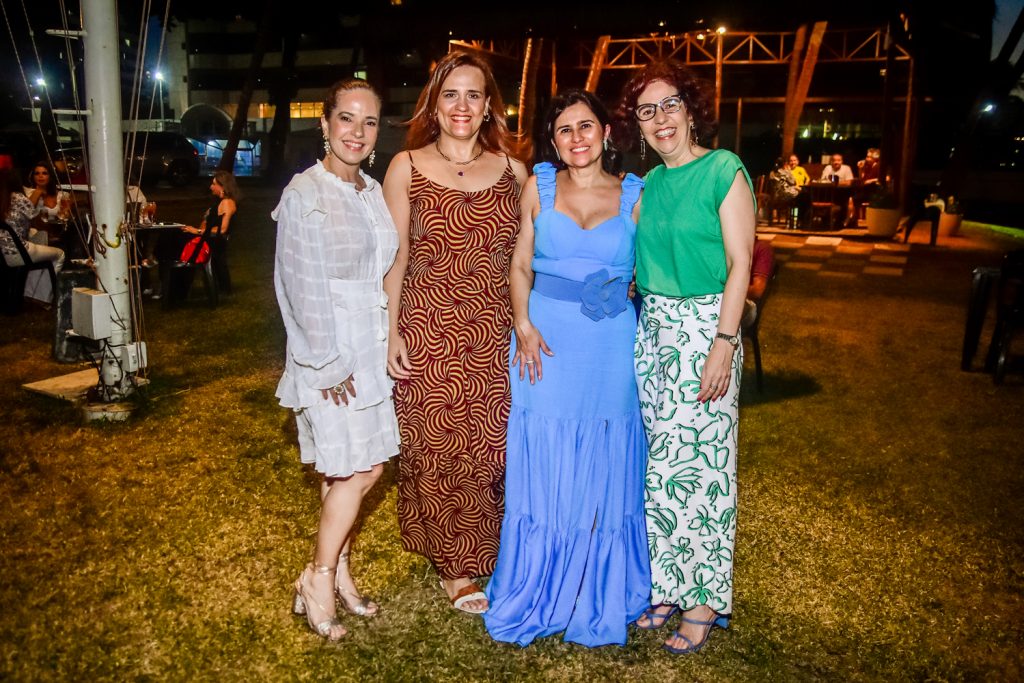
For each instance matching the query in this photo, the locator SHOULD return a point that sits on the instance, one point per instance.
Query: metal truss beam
(738, 47)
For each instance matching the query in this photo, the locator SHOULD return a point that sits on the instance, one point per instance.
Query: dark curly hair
(695, 92)
(611, 159)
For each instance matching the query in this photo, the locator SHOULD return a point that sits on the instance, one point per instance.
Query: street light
(159, 76)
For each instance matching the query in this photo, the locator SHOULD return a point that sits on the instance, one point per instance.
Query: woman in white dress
(17, 210)
(51, 203)
(335, 242)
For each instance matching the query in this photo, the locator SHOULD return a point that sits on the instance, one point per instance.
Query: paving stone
(881, 270)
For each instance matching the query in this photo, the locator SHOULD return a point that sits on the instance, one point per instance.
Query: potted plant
(883, 214)
(951, 218)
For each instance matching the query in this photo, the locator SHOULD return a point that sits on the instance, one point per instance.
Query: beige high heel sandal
(303, 595)
(364, 607)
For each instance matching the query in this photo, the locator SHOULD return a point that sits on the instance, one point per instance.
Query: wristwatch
(733, 339)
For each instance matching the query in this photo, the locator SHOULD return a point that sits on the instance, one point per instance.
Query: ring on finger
(529, 362)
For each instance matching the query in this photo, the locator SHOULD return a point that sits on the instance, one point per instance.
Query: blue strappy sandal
(656, 619)
(719, 621)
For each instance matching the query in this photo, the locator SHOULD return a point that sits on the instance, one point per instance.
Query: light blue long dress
(573, 554)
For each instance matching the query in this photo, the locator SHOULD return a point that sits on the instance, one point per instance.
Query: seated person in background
(798, 171)
(17, 211)
(867, 172)
(783, 189)
(42, 193)
(784, 184)
(867, 168)
(837, 169)
(133, 195)
(50, 203)
(762, 265)
(216, 224)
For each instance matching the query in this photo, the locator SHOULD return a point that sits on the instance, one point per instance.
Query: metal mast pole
(103, 83)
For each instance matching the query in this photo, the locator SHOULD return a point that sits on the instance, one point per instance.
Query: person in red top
(867, 168)
(762, 265)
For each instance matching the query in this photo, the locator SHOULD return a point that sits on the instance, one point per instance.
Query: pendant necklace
(457, 163)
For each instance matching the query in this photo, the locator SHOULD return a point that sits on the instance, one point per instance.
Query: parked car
(164, 156)
(160, 156)
(22, 145)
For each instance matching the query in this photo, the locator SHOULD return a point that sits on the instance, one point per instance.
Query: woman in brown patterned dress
(454, 195)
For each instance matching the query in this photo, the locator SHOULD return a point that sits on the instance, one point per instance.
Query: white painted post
(103, 90)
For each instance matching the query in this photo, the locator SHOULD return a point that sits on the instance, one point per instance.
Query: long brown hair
(424, 129)
(226, 179)
(9, 185)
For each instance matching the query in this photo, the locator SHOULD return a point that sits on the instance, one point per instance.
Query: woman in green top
(694, 241)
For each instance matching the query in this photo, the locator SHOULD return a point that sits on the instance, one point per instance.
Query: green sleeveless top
(679, 248)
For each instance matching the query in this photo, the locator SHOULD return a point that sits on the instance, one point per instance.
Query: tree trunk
(227, 162)
(282, 92)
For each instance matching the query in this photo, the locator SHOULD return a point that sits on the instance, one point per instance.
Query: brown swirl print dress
(456, 320)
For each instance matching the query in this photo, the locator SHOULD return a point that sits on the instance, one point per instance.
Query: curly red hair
(423, 127)
(695, 92)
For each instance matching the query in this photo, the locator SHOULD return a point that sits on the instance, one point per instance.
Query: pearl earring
(371, 158)
(487, 115)
(327, 146)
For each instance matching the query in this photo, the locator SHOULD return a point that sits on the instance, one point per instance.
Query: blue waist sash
(557, 287)
(599, 295)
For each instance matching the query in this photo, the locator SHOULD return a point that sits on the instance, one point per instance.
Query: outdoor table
(54, 228)
(170, 238)
(834, 194)
(168, 241)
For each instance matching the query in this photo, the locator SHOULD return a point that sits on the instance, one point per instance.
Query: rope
(100, 243)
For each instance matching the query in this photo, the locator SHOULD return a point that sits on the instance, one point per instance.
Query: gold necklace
(457, 163)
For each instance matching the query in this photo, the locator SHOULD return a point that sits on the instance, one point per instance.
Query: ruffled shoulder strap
(303, 188)
(631, 187)
(546, 183)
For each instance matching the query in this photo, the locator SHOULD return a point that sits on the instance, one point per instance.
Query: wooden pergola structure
(801, 50)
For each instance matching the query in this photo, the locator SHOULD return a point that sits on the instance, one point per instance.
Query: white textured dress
(334, 245)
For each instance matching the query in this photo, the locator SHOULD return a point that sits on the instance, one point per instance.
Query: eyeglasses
(669, 105)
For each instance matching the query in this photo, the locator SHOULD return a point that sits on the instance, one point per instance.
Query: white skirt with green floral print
(690, 499)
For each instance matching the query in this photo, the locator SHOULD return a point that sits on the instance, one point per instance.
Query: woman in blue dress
(573, 554)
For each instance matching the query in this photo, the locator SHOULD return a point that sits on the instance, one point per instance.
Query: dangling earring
(327, 146)
(693, 135)
(606, 144)
(487, 115)
(373, 157)
(643, 148)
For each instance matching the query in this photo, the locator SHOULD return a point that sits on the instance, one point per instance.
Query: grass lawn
(881, 532)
